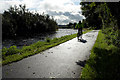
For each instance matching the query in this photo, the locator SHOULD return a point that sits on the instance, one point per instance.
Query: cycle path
(63, 61)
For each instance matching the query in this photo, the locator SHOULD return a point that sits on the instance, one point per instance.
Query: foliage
(69, 25)
(47, 39)
(114, 9)
(103, 62)
(102, 15)
(9, 51)
(105, 54)
(19, 21)
(92, 18)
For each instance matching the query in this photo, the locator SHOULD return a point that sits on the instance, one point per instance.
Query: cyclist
(79, 26)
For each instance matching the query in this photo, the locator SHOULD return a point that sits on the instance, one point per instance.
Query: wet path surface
(61, 61)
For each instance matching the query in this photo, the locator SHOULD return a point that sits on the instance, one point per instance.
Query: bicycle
(79, 35)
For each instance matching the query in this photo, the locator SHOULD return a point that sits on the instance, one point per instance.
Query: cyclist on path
(79, 26)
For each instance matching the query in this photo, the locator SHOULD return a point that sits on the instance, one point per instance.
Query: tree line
(105, 16)
(19, 21)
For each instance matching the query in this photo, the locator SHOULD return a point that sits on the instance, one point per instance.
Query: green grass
(13, 54)
(103, 63)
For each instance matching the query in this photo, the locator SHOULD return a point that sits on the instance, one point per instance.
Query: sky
(63, 11)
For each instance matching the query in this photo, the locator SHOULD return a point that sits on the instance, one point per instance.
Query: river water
(19, 42)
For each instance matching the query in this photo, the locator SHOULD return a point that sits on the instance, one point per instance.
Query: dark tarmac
(63, 61)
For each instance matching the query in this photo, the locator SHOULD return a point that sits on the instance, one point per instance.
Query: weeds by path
(104, 62)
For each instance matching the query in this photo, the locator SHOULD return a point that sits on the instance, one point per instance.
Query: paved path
(61, 61)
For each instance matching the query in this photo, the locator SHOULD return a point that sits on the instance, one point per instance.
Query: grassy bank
(13, 54)
(104, 61)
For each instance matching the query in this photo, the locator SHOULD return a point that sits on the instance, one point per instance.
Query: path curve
(61, 61)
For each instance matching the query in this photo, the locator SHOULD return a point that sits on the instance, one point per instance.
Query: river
(19, 42)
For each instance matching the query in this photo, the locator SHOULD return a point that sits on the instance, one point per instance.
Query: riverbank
(13, 54)
(61, 61)
(26, 41)
(103, 62)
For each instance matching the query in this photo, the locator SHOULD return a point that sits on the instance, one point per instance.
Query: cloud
(66, 17)
(64, 11)
(3, 6)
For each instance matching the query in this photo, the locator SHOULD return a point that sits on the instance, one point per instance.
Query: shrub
(48, 40)
(9, 51)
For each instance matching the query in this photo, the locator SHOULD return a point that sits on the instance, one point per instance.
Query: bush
(19, 21)
(48, 40)
(10, 51)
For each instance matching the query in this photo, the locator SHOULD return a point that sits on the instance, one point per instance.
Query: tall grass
(104, 61)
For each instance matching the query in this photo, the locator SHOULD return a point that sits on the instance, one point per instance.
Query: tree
(19, 21)
(92, 18)
(105, 16)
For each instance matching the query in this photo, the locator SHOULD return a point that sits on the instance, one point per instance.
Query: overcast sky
(63, 11)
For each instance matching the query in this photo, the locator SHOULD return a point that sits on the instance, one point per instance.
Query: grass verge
(103, 63)
(14, 54)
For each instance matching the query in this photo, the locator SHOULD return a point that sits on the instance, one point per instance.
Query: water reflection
(19, 42)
